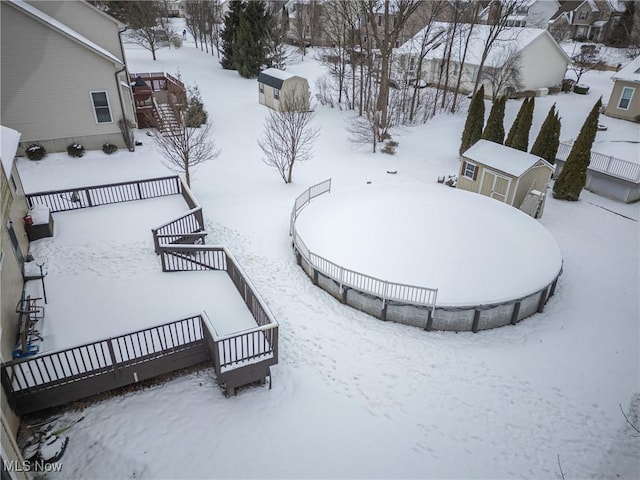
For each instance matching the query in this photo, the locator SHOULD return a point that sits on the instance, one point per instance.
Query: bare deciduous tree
(288, 134)
(183, 148)
(147, 26)
(588, 59)
(504, 72)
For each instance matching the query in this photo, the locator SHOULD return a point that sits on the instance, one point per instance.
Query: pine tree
(514, 127)
(573, 176)
(494, 131)
(548, 140)
(519, 134)
(229, 33)
(249, 53)
(475, 121)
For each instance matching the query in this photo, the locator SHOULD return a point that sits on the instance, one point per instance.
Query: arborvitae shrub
(75, 150)
(35, 151)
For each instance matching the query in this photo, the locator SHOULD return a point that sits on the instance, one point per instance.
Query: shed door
(495, 186)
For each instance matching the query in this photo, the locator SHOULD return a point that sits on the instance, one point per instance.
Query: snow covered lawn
(354, 397)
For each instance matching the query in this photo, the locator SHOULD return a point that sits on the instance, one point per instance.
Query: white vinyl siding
(101, 108)
(625, 98)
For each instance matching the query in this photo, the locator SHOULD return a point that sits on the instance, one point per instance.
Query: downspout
(128, 140)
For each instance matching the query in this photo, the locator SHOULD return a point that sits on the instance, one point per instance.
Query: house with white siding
(64, 75)
(512, 65)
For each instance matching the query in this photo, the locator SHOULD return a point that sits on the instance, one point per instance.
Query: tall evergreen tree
(250, 52)
(573, 176)
(522, 126)
(229, 33)
(514, 126)
(494, 131)
(548, 140)
(475, 121)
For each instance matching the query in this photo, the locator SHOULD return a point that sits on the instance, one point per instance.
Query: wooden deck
(237, 334)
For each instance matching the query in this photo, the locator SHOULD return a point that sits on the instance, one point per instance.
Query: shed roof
(63, 29)
(274, 77)
(630, 72)
(500, 157)
(9, 140)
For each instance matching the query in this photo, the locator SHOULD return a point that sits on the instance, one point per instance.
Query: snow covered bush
(35, 151)
(390, 147)
(75, 150)
(109, 148)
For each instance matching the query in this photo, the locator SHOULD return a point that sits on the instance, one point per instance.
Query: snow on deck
(104, 279)
(473, 249)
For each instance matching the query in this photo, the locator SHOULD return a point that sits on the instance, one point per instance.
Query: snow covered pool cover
(475, 250)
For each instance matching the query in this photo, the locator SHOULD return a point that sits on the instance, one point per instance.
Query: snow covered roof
(516, 38)
(63, 29)
(500, 157)
(9, 140)
(274, 77)
(630, 72)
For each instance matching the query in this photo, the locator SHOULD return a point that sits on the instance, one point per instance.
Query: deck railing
(239, 349)
(56, 378)
(346, 278)
(95, 195)
(605, 164)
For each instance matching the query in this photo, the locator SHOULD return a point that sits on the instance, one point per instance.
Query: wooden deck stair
(165, 119)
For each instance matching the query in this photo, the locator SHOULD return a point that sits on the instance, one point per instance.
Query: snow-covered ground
(354, 397)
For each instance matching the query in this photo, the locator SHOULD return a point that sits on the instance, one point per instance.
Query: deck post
(543, 300)
(515, 313)
(315, 276)
(553, 288)
(88, 194)
(344, 294)
(8, 389)
(476, 321)
(114, 363)
(383, 314)
(429, 326)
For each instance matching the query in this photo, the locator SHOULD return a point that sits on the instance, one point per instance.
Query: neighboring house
(528, 13)
(588, 20)
(275, 85)
(14, 245)
(624, 101)
(304, 19)
(513, 64)
(64, 76)
(504, 173)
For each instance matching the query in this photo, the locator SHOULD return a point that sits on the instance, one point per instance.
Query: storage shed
(274, 86)
(506, 174)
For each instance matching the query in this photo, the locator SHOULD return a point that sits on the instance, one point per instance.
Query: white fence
(407, 294)
(605, 164)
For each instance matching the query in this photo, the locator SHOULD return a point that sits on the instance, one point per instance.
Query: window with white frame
(625, 98)
(470, 170)
(583, 15)
(101, 107)
(276, 94)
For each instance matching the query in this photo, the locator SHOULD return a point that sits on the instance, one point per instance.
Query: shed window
(261, 86)
(276, 94)
(625, 98)
(470, 170)
(101, 107)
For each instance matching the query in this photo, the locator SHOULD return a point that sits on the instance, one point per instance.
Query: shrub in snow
(109, 148)
(75, 150)
(475, 121)
(390, 147)
(35, 151)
